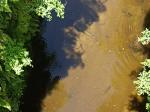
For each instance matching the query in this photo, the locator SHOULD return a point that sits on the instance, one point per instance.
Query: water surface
(96, 52)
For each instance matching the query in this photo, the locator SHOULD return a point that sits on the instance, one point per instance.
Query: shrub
(19, 22)
(15, 56)
(45, 8)
(145, 37)
(143, 80)
(143, 83)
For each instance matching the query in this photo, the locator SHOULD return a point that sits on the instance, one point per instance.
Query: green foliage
(143, 80)
(4, 7)
(45, 8)
(42, 8)
(11, 86)
(145, 37)
(15, 57)
(24, 24)
(143, 83)
(5, 104)
(19, 22)
(148, 104)
(4, 20)
(146, 63)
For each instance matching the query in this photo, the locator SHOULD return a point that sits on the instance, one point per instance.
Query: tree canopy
(19, 22)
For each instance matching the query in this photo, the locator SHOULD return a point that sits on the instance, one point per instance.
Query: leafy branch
(143, 80)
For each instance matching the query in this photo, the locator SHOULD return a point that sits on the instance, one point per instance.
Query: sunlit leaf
(5, 104)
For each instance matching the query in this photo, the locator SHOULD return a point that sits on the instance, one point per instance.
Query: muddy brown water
(95, 56)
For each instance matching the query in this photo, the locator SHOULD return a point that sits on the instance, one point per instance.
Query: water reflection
(108, 66)
(147, 20)
(61, 35)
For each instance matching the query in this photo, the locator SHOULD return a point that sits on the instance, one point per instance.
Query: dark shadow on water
(147, 20)
(134, 74)
(147, 25)
(137, 103)
(61, 35)
(39, 81)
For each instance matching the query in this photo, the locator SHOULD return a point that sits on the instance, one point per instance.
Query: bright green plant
(5, 104)
(143, 83)
(146, 63)
(42, 8)
(4, 6)
(45, 8)
(14, 55)
(148, 104)
(143, 80)
(19, 22)
(145, 37)
(12, 86)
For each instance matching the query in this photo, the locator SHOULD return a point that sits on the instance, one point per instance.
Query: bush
(145, 37)
(14, 56)
(143, 80)
(19, 22)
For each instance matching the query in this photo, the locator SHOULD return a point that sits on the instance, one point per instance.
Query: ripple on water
(104, 83)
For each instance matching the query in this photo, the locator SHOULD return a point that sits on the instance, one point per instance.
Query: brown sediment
(104, 84)
(56, 99)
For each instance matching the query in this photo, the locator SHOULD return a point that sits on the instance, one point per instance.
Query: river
(97, 55)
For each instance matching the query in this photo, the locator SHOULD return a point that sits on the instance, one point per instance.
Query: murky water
(96, 53)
